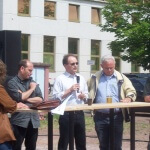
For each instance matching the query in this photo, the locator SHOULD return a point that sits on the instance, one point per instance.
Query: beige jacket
(126, 90)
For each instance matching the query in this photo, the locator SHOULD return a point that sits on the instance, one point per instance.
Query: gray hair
(106, 58)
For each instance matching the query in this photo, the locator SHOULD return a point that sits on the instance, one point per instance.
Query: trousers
(79, 131)
(102, 127)
(5, 146)
(28, 134)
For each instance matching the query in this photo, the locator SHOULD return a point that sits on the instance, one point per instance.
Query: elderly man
(110, 83)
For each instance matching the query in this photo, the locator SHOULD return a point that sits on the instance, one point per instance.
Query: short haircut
(23, 63)
(65, 58)
(2, 71)
(106, 58)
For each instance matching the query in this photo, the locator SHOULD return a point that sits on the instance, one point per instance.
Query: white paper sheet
(61, 108)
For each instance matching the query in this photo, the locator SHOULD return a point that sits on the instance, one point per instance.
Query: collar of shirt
(22, 81)
(108, 77)
(67, 74)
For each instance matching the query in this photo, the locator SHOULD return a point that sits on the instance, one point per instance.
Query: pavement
(92, 142)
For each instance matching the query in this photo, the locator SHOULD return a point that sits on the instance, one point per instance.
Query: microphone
(78, 81)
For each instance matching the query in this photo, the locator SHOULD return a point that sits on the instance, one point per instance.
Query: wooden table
(84, 107)
(105, 106)
(141, 112)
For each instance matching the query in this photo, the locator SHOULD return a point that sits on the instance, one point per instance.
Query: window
(95, 16)
(117, 15)
(49, 9)
(24, 7)
(49, 49)
(116, 55)
(25, 46)
(74, 13)
(73, 46)
(134, 68)
(135, 17)
(95, 55)
(117, 66)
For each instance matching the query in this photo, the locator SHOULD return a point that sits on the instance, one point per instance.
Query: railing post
(50, 131)
(71, 130)
(132, 129)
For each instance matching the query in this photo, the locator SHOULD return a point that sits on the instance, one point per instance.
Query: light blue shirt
(64, 82)
(108, 86)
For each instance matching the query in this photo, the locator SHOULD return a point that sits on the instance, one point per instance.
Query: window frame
(98, 14)
(96, 56)
(52, 69)
(77, 51)
(137, 68)
(118, 66)
(28, 51)
(24, 14)
(77, 20)
(50, 17)
(116, 55)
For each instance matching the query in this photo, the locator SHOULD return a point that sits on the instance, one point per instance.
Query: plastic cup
(89, 101)
(109, 99)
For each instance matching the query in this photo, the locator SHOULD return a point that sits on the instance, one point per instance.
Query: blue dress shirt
(108, 86)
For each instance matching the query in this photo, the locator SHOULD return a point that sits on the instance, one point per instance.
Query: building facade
(52, 28)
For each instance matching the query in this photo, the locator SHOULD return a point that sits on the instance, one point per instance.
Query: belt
(107, 114)
(74, 112)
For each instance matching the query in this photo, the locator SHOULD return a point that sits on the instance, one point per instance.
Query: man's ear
(65, 65)
(21, 68)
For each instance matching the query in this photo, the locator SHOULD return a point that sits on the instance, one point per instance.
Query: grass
(90, 124)
(88, 121)
(140, 127)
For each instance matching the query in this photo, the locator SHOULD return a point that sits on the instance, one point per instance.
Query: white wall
(1, 15)
(37, 27)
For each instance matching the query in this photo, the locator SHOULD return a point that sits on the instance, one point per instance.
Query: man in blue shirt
(110, 83)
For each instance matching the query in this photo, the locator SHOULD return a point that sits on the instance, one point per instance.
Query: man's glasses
(72, 64)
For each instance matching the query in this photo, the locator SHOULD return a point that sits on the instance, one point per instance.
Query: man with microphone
(73, 86)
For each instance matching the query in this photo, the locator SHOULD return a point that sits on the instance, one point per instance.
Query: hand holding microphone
(76, 86)
(78, 81)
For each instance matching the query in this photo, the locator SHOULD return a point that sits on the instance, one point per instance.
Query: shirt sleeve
(12, 89)
(129, 90)
(57, 89)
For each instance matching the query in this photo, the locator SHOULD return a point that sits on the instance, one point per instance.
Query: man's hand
(75, 87)
(33, 85)
(42, 116)
(147, 98)
(82, 96)
(19, 91)
(26, 94)
(21, 105)
(126, 100)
